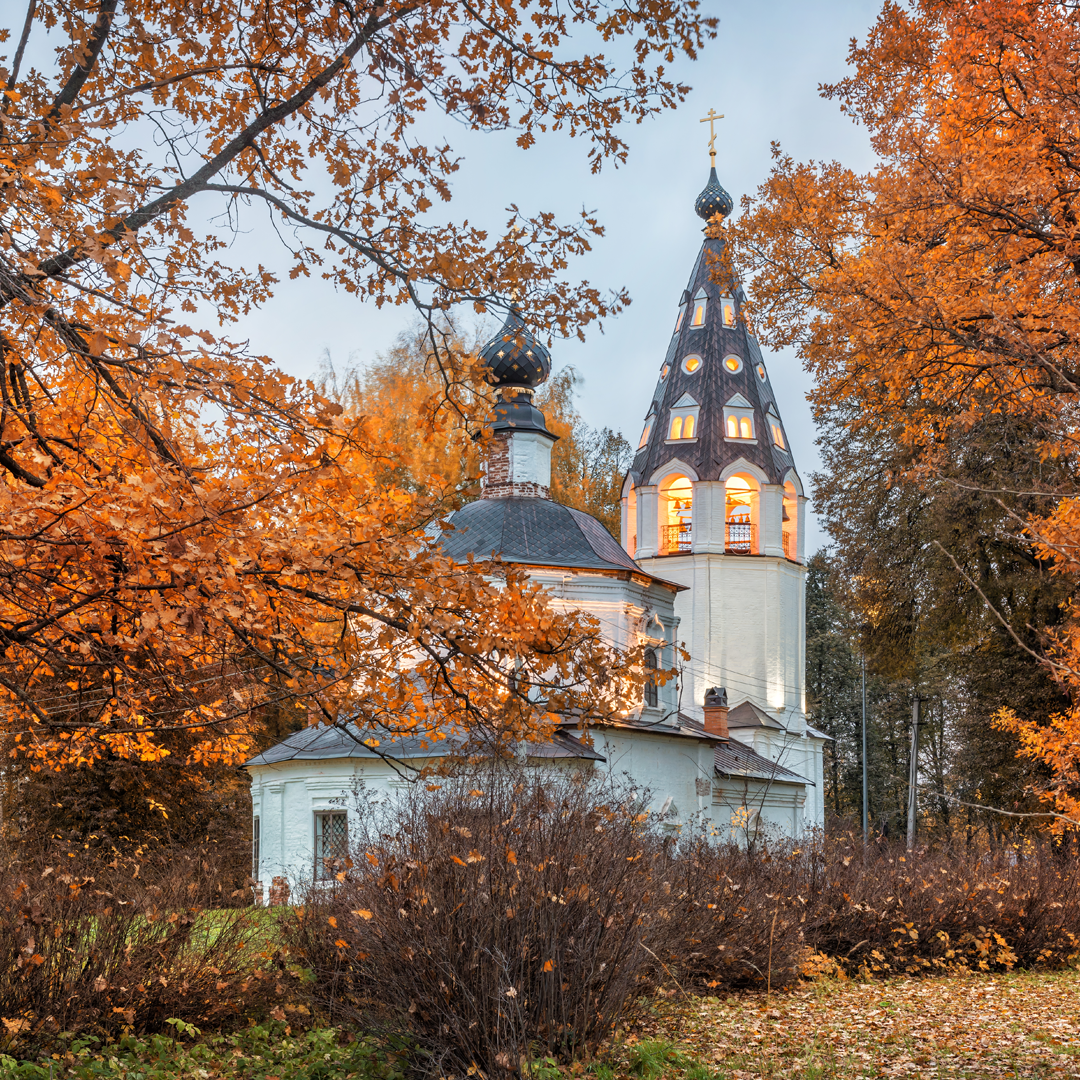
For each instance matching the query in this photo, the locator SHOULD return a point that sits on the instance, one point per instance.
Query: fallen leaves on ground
(960, 1026)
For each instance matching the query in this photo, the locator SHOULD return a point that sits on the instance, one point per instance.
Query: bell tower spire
(713, 502)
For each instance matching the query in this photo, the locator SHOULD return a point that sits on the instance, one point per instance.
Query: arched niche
(676, 512)
(742, 514)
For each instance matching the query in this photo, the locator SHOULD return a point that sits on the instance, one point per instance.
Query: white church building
(711, 558)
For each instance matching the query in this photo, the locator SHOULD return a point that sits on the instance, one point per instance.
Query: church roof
(329, 741)
(711, 386)
(536, 532)
(749, 715)
(736, 759)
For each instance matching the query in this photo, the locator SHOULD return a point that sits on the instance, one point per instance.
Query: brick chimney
(716, 710)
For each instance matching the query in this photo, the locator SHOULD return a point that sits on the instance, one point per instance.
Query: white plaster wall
(530, 458)
(743, 621)
(667, 766)
(779, 805)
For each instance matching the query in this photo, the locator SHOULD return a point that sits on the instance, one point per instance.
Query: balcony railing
(677, 538)
(740, 538)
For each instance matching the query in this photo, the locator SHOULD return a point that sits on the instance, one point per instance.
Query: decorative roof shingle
(712, 385)
(536, 532)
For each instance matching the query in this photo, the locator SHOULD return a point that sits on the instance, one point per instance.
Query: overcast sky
(762, 74)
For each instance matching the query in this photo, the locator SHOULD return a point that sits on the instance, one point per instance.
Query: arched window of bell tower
(676, 514)
(742, 500)
(790, 522)
(631, 521)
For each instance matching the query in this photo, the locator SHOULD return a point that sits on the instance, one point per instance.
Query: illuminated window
(645, 433)
(739, 418)
(678, 321)
(663, 374)
(740, 532)
(777, 432)
(691, 364)
(699, 309)
(727, 312)
(790, 522)
(676, 514)
(733, 364)
(761, 372)
(684, 414)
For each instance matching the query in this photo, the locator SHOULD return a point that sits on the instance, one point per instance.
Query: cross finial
(711, 121)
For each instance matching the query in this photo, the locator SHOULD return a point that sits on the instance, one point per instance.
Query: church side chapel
(711, 559)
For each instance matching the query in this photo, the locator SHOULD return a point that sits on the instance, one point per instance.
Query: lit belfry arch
(713, 501)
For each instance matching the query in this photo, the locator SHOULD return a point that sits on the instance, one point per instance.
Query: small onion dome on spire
(713, 200)
(514, 357)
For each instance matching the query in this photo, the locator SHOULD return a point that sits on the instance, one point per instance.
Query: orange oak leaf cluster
(185, 533)
(941, 288)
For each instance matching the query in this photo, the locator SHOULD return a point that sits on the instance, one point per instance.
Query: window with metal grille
(651, 694)
(255, 848)
(331, 844)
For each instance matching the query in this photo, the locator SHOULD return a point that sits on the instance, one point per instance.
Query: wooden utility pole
(865, 803)
(913, 778)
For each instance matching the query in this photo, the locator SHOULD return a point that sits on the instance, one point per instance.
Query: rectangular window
(255, 848)
(652, 695)
(331, 844)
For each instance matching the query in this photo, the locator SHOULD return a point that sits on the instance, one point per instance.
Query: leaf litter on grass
(961, 1026)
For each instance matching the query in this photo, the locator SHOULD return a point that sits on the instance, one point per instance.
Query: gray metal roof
(537, 532)
(735, 759)
(712, 386)
(329, 741)
(749, 715)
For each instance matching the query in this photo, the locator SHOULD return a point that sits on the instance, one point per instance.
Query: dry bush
(127, 947)
(886, 911)
(736, 920)
(497, 917)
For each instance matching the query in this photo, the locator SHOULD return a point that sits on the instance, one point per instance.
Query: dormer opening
(740, 514)
(739, 419)
(777, 431)
(700, 302)
(683, 423)
(676, 514)
(646, 431)
(727, 312)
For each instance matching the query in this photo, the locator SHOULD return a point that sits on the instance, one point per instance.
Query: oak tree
(937, 295)
(176, 514)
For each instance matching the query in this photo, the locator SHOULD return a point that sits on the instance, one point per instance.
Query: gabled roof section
(713, 385)
(749, 715)
(736, 759)
(326, 742)
(685, 402)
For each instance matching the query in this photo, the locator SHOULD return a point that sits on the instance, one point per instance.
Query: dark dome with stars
(514, 357)
(713, 200)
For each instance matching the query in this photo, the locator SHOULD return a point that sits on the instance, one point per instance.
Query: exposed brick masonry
(496, 482)
(716, 720)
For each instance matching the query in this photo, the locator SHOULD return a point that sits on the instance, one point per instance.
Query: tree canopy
(936, 301)
(178, 514)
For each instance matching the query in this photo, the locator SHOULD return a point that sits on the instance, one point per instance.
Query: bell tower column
(648, 532)
(772, 511)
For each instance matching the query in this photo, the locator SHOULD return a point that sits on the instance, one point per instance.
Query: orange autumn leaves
(942, 286)
(186, 534)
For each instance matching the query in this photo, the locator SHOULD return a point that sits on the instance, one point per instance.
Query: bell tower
(713, 502)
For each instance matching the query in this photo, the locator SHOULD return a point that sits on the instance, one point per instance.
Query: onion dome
(713, 200)
(514, 357)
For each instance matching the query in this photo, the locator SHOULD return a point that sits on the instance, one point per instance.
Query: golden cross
(711, 121)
